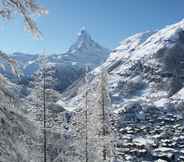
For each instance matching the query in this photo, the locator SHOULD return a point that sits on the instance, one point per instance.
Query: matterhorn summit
(84, 40)
(85, 49)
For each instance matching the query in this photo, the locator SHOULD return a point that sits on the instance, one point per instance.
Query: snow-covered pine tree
(86, 115)
(92, 131)
(44, 117)
(105, 132)
(78, 148)
(43, 67)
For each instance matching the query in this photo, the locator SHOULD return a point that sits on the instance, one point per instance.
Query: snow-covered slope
(21, 124)
(145, 80)
(19, 137)
(128, 46)
(150, 67)
(26, 63)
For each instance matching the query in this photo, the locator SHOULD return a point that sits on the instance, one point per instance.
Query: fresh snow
(65, 106)
(162, 102)
(144, 141)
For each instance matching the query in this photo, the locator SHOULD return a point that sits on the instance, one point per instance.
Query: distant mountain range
(66, 67)
(85, 51)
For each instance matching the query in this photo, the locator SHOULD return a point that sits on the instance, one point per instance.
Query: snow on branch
(27, 9)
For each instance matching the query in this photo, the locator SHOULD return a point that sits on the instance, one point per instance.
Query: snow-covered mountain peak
(84, 42)
(83, 34)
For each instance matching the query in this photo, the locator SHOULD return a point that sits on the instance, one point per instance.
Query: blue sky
(108, 21)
